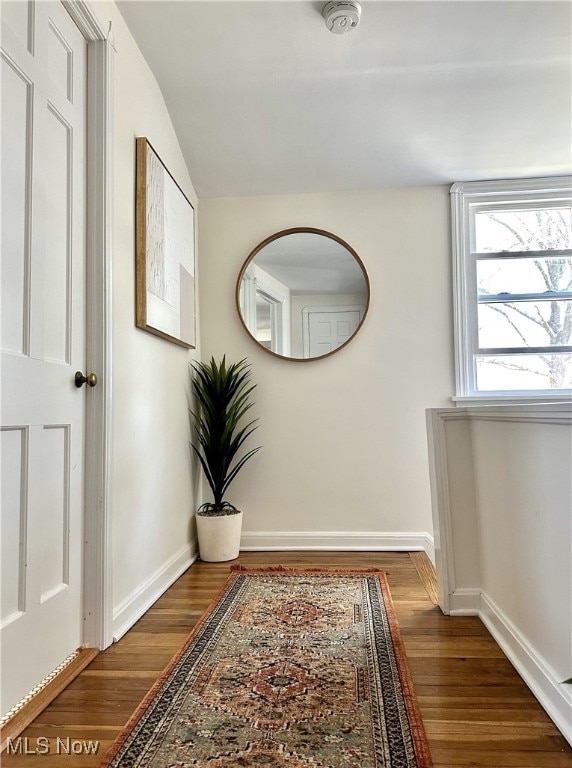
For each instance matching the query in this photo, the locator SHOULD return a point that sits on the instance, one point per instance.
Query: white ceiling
(312, 264)
(266, 101)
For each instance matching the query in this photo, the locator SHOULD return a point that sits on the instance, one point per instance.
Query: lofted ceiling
(265, 100)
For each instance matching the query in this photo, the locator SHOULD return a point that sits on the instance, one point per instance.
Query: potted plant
(222, 396)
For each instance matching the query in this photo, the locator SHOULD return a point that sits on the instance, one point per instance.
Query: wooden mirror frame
(293, 231)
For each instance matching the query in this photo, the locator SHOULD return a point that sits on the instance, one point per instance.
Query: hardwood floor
(476, 709)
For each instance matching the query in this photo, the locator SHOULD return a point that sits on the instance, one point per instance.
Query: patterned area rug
(289, 669)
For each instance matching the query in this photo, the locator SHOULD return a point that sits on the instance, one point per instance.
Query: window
(512, 273)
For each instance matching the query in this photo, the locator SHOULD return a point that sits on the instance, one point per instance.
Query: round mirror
(302, 293)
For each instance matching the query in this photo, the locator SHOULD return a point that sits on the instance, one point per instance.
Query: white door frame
(276, 301)
(97, 595)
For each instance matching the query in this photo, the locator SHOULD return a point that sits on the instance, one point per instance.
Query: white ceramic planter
(219, 536)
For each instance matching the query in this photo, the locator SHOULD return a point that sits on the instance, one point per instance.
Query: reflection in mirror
(302, 293)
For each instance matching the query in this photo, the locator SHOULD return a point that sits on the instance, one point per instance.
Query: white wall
(523, 479)
(503, 516)
(344, 437)
(153, 496)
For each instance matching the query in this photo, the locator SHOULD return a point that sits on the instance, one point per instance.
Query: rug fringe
(301, 570)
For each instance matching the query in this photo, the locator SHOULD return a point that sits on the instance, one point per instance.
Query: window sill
(564, 397)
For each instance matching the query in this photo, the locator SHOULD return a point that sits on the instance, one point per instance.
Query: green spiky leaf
(223, 398)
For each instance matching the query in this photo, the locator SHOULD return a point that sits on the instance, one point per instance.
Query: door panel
(13, 447)
(57, 245)
(17, 101)
(54, 523)
(328, 330)
(60, 61)
(43, 341)
(18, 18)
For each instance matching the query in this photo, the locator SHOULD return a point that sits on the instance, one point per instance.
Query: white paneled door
(328, 330)
(43, 85)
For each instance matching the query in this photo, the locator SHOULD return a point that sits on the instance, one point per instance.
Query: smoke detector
(341, 15)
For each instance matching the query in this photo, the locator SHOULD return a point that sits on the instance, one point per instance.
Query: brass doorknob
(90, 379)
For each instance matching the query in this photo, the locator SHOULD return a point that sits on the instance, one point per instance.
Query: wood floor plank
(476, 709)
(426, 571)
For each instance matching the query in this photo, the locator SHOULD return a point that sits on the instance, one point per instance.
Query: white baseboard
(554, 697)
(465, 602)
(338, 540)
(429, 547)
(141, 599)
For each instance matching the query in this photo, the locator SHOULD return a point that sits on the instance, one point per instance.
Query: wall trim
(429, 547)
(555, 698)
(99, 334)
(526, 413)
(97, 593)
(366, 541)
(501, 186)
(141, 599)
(562, 396)
(86, 19)
(465, 601)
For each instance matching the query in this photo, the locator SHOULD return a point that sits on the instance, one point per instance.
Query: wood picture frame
(165, 252)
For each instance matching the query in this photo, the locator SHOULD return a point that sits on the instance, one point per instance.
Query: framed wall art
(165, 252)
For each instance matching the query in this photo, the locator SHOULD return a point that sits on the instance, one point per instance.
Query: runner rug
(288, 669)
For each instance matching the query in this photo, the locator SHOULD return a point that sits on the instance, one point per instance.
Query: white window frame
(466, 199)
